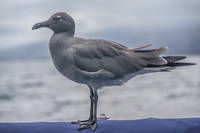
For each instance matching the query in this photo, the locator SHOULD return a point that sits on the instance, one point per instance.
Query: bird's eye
(59, 18)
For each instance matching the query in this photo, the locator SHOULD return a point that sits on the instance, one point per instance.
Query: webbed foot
(91, 125)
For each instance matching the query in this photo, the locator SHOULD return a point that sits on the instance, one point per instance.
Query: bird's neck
(66, 34)
(59, 41)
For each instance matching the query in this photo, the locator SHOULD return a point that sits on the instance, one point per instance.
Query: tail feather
(151, 53)
(177, 64)
(171, 59)
(153, 59)
(152, 56)
(172, 62)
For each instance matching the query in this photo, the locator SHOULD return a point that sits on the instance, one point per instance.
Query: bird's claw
(86, 124)
(91, 125)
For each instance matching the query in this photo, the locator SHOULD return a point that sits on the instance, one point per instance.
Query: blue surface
(150, 125)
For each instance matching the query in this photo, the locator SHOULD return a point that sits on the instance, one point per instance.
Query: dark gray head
(58, 22)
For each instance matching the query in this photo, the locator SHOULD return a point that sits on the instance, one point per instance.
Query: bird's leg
(93, 123)
(84, 122)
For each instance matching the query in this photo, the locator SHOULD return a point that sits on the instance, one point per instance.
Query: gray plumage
(98, 63)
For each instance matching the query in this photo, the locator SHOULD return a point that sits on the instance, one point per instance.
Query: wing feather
(141, 47)
(96, 55)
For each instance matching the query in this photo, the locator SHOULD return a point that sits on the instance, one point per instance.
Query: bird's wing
(105, 58)
(141, 47)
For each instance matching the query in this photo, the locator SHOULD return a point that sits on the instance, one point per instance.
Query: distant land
(41, 51)
(31, 51)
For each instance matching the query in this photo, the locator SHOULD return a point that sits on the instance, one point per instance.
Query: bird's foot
(81, 122)
(92, 125)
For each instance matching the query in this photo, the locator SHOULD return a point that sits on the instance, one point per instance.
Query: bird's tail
(154, 59)
(172, 61)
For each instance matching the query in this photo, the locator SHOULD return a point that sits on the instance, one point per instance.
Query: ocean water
(33, 91)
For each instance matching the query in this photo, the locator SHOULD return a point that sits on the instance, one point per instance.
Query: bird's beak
(40, 25)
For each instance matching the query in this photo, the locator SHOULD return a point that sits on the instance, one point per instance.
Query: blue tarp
(150, 125)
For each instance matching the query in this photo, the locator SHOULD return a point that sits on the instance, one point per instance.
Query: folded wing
(108, 56)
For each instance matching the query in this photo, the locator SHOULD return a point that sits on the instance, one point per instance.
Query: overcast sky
(130, 22)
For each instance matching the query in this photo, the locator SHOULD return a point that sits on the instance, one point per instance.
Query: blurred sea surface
(33, 90)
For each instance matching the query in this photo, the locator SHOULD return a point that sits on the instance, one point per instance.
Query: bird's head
(58, 22)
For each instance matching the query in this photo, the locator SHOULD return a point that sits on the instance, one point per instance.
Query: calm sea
(33, 90)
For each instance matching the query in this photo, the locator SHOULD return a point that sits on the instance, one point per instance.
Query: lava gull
(98, 63)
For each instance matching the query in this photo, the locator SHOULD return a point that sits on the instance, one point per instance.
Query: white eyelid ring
(59, 17)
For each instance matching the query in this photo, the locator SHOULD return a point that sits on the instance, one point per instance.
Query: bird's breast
(63, 61)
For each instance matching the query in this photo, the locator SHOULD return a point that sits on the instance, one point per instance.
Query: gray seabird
(98, 63)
